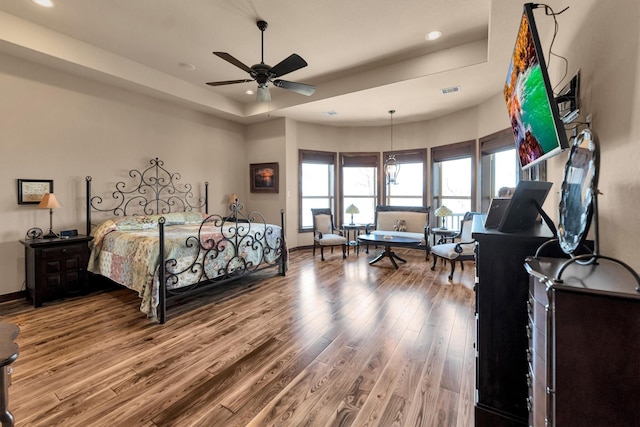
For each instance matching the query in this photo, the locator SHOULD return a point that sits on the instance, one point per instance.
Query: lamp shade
(233, 198)
(443, 211)
(352, 209)
(49, 201)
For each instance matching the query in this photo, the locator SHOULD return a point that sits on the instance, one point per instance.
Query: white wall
(54, 125)
(603, 42)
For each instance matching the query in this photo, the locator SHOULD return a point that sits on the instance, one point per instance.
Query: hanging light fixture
(391, 165)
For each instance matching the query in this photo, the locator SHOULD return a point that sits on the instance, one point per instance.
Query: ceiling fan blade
(229, 82)
(263, 94)
(292, 63)
(230, 59)
(301, 88)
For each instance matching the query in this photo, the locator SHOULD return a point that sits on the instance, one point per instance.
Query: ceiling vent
(452, 89)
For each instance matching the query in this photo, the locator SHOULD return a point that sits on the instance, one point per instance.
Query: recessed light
(44, 3)
(249, 92)
(186, 66)
(433, 35)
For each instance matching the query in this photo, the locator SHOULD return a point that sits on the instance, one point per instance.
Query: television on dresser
(538, 130)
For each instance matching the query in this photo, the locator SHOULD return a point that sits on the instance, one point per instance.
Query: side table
(444, 233)
(347, 229)
(55, 267)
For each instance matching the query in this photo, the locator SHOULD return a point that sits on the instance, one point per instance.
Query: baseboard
(13, 296)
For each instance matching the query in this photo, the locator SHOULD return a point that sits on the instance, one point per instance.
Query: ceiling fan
(265, 74)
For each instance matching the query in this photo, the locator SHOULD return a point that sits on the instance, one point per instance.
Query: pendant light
(391, 165)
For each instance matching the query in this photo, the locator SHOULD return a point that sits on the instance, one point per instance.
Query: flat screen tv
(537, 128)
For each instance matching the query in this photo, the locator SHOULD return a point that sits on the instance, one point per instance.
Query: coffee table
(388, 242)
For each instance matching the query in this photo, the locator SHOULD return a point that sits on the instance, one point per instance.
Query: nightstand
(55, 268)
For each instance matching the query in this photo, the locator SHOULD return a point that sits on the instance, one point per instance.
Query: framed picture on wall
(264, 177)
(31, 191)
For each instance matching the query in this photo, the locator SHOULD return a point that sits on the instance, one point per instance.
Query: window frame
(358, 159)
(455, 151)
(315, 157)
(495, 143)
(415, 155)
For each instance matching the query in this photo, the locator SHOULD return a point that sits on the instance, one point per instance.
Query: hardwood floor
(334, 343)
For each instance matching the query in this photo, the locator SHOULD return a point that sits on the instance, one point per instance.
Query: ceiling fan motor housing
(262, 73)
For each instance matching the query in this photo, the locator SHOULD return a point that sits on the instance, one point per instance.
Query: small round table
(444, 233)
(355, 228)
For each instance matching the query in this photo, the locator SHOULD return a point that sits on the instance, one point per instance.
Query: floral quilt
(126, 251)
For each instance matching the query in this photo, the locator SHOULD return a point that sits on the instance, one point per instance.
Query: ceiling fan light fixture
(263, 94)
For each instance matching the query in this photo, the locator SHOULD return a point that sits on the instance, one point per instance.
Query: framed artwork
(31, 191)
(264, 177)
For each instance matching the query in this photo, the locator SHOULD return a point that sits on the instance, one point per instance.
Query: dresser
(502, 286)
(55, 268)
(583, 345)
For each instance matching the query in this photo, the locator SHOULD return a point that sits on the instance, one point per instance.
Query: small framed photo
(264, 177)
(31, 191)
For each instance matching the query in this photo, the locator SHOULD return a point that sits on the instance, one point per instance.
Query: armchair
(325, 232)
(462, 250)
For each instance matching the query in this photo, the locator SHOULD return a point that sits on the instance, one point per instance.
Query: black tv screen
(537, 128)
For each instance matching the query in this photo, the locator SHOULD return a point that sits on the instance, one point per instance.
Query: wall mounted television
(537, 128)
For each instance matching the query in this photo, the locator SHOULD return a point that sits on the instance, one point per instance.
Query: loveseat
(406, 221)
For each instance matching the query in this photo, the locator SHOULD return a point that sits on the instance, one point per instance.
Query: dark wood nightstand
(55, 268)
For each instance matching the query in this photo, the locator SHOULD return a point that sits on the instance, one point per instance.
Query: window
(500, 167)
(453, 181)
(317, 184)
(359, 184)
(410, 188)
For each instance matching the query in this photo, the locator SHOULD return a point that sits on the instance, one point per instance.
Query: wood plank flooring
(333, 343)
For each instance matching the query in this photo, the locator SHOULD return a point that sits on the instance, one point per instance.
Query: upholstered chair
(462, 248)
(325, 232)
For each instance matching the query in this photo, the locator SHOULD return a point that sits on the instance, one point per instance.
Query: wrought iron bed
(216, 249)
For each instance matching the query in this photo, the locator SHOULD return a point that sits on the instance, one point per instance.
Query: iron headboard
(152, 191)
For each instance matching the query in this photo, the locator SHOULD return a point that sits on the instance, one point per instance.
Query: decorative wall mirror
(579, 205)
(578, 191)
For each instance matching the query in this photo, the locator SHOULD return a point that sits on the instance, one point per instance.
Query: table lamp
(50, 202)
(443, 211)
(352, 209)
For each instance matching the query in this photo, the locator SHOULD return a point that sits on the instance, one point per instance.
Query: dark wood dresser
(584, 345)
(55, 267)
(502, 285)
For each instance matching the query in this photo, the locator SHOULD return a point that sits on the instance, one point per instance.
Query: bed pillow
(140, 222)
(179, 218)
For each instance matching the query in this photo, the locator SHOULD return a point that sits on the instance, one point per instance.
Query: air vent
(452, 89)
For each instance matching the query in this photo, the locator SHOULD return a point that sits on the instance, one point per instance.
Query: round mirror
(577, 193)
